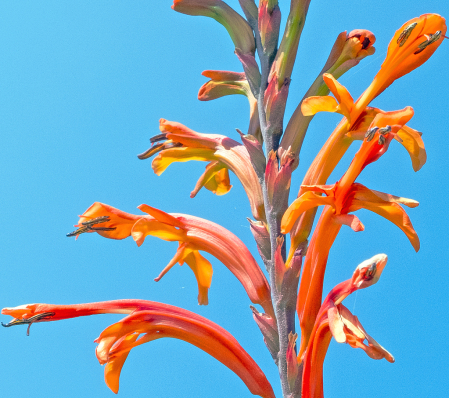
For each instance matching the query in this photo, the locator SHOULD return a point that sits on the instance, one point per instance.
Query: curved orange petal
(114, 366)
(392, 212)
(203, 273)
(120, 220)
(413, 143)
(344, 98)
(197, 331)
(219, 183)
(306, 201)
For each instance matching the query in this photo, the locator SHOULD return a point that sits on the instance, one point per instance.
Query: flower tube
(177, 143)
(194, 234)
(150, 321)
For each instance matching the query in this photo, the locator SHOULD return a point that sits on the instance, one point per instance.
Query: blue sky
(83, 85)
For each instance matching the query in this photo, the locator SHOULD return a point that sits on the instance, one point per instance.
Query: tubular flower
(345, 328)
(340, 199)
(347, 51)
(334, 319)
(223, 83)
(177, 143)
(410, 47)
(194, 234)
(324, 163)
(150, 321)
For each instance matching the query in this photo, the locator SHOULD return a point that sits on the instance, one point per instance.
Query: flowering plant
(286, 284)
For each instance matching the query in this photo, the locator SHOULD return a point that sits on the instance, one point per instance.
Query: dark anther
(365, 43)
(381, 140)
(370, 272)
(94, 221)
(159, 137)
(29, 321)
(150, 152)
(88, 226)
(385, 130)
(405, 34)
(432, 39)
(369, 135)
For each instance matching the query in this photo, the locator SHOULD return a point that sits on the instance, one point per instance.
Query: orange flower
(181, 144)
(340, 199)
(411, 46)
(150, 321)
(390, 125)
(194, 234)
(334, 319)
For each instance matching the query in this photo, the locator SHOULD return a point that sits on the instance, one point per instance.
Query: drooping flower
(149, 321)
(194, 234)
(334, 319)
(177, 143)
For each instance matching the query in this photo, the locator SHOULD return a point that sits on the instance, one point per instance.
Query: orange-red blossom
(150, 321)
(340, 199)
(178, 143)
(194, 234)
(410, 47)
(334, 319)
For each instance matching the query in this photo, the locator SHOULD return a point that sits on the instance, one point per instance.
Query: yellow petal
(183, 154)
(312, 105)
(203, 273)
(306, 201)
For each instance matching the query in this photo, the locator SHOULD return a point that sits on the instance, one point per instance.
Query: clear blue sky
(83, 85)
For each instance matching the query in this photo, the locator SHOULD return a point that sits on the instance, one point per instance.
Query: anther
(381, 140)
(159, 137)
(432, 39)
(370, 272)
(385, 130)
(29, 321)
(369, 135)
(405, 34)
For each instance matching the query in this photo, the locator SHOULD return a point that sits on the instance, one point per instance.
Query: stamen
(370, 272)
(432, 39)
(150, 152)
(159, 137)
(29, 321)
(97, 220)
(79, 231)
(88, 226)
(405, 34)
(385, 130)
(381, 140)
(369, 135)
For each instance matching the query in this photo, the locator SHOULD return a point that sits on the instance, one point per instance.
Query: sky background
(83, 85)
